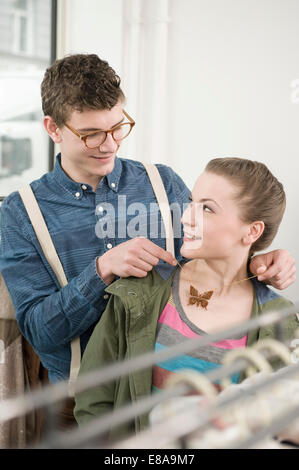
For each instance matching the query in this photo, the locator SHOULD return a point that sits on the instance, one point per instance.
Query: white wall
(92, 26)
(230, 66)
(234, 65)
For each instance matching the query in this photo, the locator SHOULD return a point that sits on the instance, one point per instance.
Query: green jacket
(128, 329)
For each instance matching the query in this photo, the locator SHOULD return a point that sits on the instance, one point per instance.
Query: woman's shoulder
(270, 301)
(268, 297)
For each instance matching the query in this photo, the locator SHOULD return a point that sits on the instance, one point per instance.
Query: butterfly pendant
(202, 299)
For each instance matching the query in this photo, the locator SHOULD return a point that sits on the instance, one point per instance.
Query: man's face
(83, 164)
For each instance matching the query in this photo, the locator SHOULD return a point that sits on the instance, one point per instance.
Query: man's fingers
(286, 284)
(158, 252)
(149, 258)
(261, 269)
(283, 279)
(269, 273)
(285, 274)
(277, 272)
(136, 272)
(140, 264)
(167, 257)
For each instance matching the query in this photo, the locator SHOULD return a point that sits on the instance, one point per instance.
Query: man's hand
(135, 257)
(276, 268)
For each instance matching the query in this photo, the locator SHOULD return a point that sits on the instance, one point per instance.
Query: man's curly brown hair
(78, 82)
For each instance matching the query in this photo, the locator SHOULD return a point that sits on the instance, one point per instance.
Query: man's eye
(96, 134)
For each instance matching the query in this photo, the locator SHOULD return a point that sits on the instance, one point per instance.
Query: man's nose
(109, 144)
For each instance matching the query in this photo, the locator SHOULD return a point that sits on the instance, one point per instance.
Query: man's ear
(52, 129)
(254, 232)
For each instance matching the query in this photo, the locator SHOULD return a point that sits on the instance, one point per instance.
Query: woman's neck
(217, 275)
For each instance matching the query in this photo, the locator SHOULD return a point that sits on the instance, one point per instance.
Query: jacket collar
(137, 291)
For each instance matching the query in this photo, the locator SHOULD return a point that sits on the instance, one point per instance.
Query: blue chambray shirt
(83, 225)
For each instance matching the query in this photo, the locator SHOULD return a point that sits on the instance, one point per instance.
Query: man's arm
(47, 315)
(276, 268)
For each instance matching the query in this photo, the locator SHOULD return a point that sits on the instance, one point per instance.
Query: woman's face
(213, 214)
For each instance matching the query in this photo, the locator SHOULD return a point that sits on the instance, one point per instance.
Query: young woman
(236, 208)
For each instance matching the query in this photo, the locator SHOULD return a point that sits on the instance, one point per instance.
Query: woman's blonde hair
(260, 197)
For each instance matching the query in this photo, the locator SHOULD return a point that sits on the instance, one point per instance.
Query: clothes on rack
(238, 421)
(260, 408)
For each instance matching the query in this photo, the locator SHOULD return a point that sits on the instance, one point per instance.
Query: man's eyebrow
(91, 129)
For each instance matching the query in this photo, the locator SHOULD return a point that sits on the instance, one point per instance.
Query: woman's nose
(188, 217)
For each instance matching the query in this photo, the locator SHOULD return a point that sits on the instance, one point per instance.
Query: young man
(83, 106)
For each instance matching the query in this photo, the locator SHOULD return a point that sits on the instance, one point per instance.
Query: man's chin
(103, 166)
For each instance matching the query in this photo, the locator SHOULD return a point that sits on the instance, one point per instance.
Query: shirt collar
(62, 178)
(114, 177)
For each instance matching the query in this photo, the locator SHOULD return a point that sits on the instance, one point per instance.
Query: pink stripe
(171, 317)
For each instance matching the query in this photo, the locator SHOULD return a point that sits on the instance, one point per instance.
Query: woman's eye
(206, 208)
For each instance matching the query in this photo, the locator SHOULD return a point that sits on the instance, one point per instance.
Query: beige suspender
(161, 196)
(51, 255)
(42, 233)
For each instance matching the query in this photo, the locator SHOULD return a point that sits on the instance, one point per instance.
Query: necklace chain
(203, 299)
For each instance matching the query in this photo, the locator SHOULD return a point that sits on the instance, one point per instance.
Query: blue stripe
(187, 362)
(183, 361)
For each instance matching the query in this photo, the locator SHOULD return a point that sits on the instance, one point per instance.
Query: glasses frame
(109, 131)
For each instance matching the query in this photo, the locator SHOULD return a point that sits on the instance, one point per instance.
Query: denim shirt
(83, 225)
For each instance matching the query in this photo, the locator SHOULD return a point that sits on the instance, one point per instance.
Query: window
(22, 26)
(26, 50)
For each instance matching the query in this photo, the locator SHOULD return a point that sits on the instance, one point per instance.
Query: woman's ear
(254, 232)
(52, 129)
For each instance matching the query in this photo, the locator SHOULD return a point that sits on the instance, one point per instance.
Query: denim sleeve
(47, 315)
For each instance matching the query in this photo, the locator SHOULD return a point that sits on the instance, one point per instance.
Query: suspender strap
(42, 233)
(46, 243)
(161, 196)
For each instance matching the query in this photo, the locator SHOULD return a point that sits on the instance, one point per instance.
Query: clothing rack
(50, 394)
(274, 428)
(193, 418)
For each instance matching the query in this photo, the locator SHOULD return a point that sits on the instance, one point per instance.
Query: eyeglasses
(95, 139)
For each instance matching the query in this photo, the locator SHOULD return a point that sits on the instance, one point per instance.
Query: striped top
(173, 328)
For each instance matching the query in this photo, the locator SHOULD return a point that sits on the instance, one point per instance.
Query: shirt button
(83, 187)
(100, 209)
(77, 195)
(106, 296)
(109, 246)
(112, 185)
